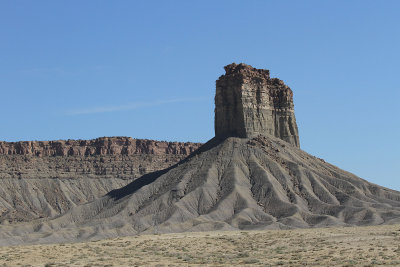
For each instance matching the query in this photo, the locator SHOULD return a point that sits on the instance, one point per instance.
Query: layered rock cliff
(99, 146)
(47, 178)
(249, 103)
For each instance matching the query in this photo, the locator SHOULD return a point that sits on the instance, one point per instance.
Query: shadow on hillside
(148, 178)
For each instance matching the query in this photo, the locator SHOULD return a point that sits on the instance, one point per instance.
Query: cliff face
(249, 103)
(46, 178)
(99, 146)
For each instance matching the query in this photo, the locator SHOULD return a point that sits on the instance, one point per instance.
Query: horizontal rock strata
(46, 178)
(249, 103)
(99, 146)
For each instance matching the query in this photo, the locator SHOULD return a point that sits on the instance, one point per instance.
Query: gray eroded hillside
(42, 179)
(258, 183)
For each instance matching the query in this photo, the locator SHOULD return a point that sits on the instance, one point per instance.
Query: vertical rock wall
(249, 103)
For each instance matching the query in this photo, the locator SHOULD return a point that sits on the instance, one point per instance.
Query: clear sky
(147, 69)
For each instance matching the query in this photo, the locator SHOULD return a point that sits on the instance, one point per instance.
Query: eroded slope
(41, 179)
(254, 183)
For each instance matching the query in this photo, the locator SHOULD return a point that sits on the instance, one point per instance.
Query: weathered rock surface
(46, 178)
(99, 146)
(238, 182)
(249, 103)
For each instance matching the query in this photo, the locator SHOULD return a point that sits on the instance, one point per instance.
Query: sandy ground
(359, 246)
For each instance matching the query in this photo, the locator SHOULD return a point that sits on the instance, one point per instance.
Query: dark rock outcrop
(99, 146)
(249, 103)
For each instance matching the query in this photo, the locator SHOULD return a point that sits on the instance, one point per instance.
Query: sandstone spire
(249, 103)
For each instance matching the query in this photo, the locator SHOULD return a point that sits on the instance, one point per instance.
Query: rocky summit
(249, 103)
(252, 175)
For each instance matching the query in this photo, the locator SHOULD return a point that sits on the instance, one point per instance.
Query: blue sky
(147, 69)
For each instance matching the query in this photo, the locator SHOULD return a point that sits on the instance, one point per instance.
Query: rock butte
(249, 103)
(252, 175)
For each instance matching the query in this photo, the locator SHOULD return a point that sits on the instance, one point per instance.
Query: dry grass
(358, 246)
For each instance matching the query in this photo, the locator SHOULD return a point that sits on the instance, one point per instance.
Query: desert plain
(337, 246)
